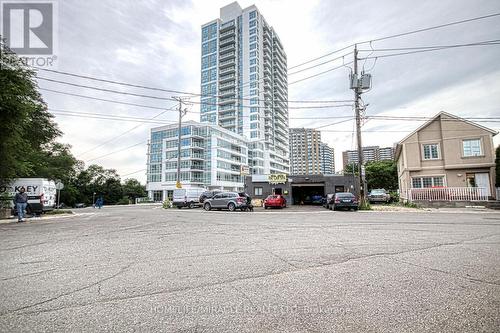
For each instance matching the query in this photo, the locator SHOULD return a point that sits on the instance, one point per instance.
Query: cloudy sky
(157, 43)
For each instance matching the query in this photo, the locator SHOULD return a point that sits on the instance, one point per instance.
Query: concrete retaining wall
(449, 204)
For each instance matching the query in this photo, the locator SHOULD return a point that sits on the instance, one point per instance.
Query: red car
(274, 201)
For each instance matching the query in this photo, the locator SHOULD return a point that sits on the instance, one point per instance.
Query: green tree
(497, 167)
(26, 127)
(133, 189)
(382, 174)
(351, 169)
(103, 182)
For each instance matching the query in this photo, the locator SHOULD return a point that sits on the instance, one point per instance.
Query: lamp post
(93, 200)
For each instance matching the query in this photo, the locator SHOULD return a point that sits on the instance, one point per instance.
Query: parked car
(344, 200)
(316, 199)
(208, 195)
(80, 205)
(329, 200)
(278, 201)
(187, 197)
(226, 200)
(379, 195)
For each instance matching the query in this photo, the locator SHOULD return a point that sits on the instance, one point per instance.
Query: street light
(93, 200)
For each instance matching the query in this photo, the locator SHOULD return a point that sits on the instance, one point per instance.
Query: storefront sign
(244, 170)
(277, 178)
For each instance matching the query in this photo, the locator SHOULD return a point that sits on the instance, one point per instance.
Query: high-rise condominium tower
(244, 84)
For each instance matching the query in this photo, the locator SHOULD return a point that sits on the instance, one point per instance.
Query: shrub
(410, 204)
(123, 201)
(167, 203)
(365, 206)
(394, 196)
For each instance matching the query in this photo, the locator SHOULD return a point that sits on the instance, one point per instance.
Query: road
(153, 270)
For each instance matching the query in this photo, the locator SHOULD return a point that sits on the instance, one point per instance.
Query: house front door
(483, 180)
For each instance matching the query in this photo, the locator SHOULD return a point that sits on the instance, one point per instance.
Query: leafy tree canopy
(382, 174)
(27, 129)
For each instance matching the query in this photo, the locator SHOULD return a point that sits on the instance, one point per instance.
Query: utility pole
(181, 114)
(357, 93)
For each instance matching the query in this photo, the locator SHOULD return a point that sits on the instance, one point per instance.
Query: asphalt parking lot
(154, 270)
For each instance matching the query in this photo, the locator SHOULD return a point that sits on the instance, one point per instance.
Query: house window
(427, 182)
(472, 147)
(431, 151)
(257, 191)
(470, 180)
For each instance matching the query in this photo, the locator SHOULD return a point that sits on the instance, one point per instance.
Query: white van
(187, 197)
(41, 193)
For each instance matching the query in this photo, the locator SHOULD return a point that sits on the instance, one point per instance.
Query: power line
(432, 28)
(428, 50)
(150, 120)
(335, 123)
(131, 173)
(116, 151)
(320, 64)
(164, 122)
(170, 90)
(320, 73)
(399, 35)
(102, 99)
(397, 131)
(429, 47)
(124, 133)
(106, 117)
(478, 120)
(170, 99)
(321, 57)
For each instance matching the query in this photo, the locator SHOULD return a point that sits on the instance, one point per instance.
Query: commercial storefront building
(299, 189)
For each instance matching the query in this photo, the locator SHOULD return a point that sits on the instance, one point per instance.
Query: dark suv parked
(208, 195)
(226, 200)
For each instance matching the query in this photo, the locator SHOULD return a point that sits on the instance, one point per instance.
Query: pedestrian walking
(21, 201)
(99, 202)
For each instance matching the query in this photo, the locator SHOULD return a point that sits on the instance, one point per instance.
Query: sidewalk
(32, 219)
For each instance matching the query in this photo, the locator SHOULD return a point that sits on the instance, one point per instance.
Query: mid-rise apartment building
(386, 153)
(327, 159)
(244, 84)
(370, 153)
(211, 157)
(308, 155)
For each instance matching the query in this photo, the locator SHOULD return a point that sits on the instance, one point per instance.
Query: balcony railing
(227, 70)
(226, 77)
(229, 92)
(226, 25)
(448, 194)
(226, 48)
(227, 55)
(227, 33)
(227, 41)
(227, 63)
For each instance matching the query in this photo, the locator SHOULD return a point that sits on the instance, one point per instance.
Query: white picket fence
(448, 194)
